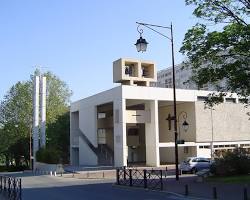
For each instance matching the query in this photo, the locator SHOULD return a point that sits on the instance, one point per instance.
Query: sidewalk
(204, 189)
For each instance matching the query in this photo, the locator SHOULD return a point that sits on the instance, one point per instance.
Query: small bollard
(55, 173)
(145, 178)
(245, 193)
(214, 193)
(166, 171)
(117, 176)
(186, 190)
(130, 178)
(50, 173)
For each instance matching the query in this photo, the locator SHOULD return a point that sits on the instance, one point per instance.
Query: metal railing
(146, 178)
(11, 187)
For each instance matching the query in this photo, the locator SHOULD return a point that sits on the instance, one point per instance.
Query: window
(203, 160)
(101, 115)
(204, 147)
(243, 101)
(230, 100)
(202, 98)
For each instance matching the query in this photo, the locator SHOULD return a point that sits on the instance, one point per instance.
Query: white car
(195, 164)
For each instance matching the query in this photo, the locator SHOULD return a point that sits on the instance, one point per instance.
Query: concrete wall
(204, 152)
(88, 122)
(166, 135)
(167, 154)
(120, 138)
(230, 122)
(152, 135)
(86, 155)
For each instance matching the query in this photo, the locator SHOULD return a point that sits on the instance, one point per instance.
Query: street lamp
(141, 46)
(185, 125)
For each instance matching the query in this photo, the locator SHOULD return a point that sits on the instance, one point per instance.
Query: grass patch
(230, 179)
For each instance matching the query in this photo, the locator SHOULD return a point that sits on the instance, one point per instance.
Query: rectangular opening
(230, 100)
(147, 70)
(245, 101)
(131, 69)
(202, 98)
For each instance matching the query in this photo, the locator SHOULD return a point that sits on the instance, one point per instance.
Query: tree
(16, 115)
(58, 136)
(224, 55)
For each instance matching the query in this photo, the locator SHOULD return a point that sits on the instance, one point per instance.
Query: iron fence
(11, 187)
(146, 178)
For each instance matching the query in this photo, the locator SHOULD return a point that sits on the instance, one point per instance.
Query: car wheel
(194, 170)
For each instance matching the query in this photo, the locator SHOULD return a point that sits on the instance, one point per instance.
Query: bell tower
(134, 72)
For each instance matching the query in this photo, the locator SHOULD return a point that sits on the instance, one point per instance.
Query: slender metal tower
(35, 117)
(43, 111)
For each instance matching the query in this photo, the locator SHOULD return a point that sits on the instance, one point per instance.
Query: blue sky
(79, 39)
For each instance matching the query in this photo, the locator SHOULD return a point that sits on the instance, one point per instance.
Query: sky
(78, 40)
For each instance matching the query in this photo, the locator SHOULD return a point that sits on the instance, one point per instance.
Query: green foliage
(58, 136)
(232, 163)
(220, 55)
(48, 155)
(16, 118)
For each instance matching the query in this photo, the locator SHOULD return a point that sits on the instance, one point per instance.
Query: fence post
(4, 183)
(14, 188)
(117, 176)
(145, 178)
(124, 173)
(245, 193)
(9, 187)
(161, 180)
(214, 193)
(20, 189)
(1, 183)
(130, 178)
(186, 190)
(166, 172)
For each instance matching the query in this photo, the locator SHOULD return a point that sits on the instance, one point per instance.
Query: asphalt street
(47, 187)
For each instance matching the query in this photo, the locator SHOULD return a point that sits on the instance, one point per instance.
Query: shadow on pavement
(104, 191)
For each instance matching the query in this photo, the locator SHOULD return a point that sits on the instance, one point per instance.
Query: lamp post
(141, 46)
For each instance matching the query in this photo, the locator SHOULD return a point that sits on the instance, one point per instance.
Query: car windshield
(187, 160)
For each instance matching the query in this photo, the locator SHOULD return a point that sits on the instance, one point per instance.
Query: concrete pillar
(152, 135)
(35, 130)
(43, 110)
(120, 136)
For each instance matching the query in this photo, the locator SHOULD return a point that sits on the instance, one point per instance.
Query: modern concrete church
(127, 124)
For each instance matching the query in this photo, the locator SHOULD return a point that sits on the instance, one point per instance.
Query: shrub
(48, 155)
(236, 162)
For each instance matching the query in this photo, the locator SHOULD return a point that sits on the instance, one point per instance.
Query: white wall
(152, 135)
(88, 121)
(230, 122)
(167, 154)
(167, 135)
(120, 139)
(86, 155)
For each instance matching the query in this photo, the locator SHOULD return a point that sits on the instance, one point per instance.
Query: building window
(243, 101)
(101, 115)
(230, 100)
(204, 147)
(202, 98)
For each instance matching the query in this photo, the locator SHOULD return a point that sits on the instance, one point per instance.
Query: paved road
(59, 188)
